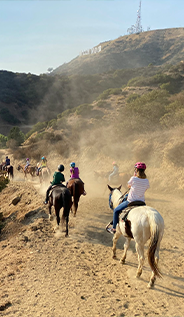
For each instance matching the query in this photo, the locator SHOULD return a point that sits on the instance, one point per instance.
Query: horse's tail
(67, 202)
(156, 229)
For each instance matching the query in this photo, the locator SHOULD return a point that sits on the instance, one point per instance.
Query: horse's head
(18, 167)
(114, 196)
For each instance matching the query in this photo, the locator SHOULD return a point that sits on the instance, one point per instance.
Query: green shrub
(37, 127)
(3, 140)
(132, 98)
(84, 109)
(108, 92)
(3, 183)
(17, 135)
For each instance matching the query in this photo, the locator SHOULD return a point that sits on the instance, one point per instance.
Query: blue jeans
(117, 211)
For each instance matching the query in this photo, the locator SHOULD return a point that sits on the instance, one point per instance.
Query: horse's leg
(57, 210)
(115, 239)
(67, 220)
(75, 203)
(140, 252)
(50, 215)
(126, 246)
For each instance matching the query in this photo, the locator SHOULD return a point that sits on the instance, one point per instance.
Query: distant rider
(7, 163)
(27, 164)
(42, 165)
(115, 173)
(58, 179)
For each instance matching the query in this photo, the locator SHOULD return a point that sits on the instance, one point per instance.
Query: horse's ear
(119, 188)
(110, 188)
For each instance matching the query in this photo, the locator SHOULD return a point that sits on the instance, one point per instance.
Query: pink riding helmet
(140, 165)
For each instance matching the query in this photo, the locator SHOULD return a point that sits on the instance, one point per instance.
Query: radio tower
(136, 28)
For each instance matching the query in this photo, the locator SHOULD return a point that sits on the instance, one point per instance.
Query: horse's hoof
(138, 274)
(122, 261)
(114, 256)
(150, 285)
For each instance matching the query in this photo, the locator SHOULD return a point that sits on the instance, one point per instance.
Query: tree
(17, 135)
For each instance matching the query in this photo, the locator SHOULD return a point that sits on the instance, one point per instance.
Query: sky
(36, 35)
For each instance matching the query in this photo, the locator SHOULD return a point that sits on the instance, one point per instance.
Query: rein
(121, 198)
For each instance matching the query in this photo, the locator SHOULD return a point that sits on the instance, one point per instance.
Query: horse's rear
(44, 175)
(60, 197)
(10, 171)
(144, 223)
(76, 187)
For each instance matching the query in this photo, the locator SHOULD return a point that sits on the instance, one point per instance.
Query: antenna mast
(136, 28)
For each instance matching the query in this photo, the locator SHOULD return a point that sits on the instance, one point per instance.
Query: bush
(16, 137)
(108, 92)
(3, 183)
(36, 128)
(3, 140)
(132, 98)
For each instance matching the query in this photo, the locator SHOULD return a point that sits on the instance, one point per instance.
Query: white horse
(142, 223)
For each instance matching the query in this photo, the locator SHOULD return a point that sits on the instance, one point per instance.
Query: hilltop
(157, 47)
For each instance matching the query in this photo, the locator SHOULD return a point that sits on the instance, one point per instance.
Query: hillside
(26, 99)
(157, 47)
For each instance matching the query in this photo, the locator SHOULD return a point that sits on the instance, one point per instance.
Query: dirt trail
(45, 274)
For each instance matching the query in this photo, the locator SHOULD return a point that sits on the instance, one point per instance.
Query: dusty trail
(46, 274)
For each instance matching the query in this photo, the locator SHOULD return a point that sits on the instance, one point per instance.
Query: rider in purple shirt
(74, 173)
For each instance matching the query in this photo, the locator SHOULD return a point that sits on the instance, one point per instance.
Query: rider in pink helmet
(27, 164)
(137, 184)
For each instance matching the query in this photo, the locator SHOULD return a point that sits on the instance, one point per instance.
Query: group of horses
(43, 173)
(141, 223)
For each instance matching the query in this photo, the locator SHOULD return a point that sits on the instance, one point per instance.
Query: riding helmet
(140, 165)
(114, 163)
(27, 159)
(43, 157)
(61, 168)
(72, 164)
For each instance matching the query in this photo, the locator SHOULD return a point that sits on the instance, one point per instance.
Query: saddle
(124, 214)
(54, 186)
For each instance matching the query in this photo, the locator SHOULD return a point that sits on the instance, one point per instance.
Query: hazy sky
(36, 35)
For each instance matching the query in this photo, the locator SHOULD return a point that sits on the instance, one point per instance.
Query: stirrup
(109, 224)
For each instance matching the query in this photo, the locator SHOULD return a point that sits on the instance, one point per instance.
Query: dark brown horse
(76, 187)
(60, 197)
(7, 170)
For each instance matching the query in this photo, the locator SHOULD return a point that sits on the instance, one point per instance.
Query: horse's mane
(115, 197)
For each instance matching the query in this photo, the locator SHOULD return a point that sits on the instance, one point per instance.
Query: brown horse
(29, 170)
(60, 197)
(76, 187)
